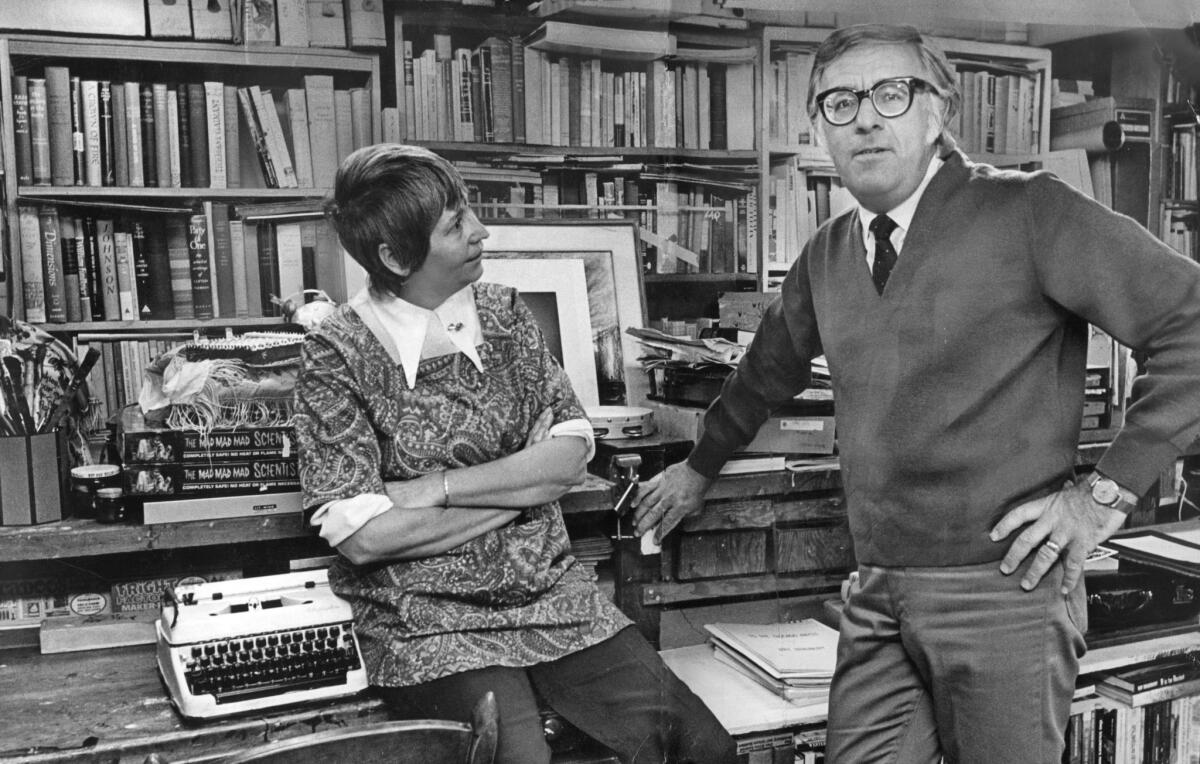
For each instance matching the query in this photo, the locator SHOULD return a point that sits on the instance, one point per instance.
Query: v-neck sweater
(959, 390)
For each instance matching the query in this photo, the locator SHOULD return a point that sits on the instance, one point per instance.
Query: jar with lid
(86, 480)
(110, 505)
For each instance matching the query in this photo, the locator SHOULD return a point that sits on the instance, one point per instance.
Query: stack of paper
(794, 660)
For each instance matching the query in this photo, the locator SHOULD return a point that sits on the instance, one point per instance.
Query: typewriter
(230, 647)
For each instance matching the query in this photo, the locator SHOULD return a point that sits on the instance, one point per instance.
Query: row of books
(787, 93)
(800, 203)
(795, 660)
(502, 91)
(80, 266)
(1180, 170)
(73, 131)
(1101, 731)
(1179, 228)
(295, 23)
(1000, 111)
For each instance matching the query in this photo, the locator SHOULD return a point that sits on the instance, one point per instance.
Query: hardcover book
(106, 247)
(70, 256)
(21, 134)
(52, 264)
(326, 24)
(198, 265)
(150, 168)
(179, 261)
(33, 285)
(93, 161)
(39, 132)
(197, 122)
(58, 116)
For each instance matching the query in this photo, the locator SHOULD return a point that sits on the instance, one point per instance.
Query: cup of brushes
(39, 382)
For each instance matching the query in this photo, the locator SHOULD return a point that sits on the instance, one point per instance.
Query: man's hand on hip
(1067, 524)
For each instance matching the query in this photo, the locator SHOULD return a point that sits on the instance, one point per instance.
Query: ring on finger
(1053, 546)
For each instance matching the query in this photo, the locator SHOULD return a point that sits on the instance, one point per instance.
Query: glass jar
(86, 480)
(110, 505)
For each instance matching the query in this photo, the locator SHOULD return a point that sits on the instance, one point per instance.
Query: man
(956, 335)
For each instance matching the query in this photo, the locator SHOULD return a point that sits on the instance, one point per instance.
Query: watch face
(1105, 492)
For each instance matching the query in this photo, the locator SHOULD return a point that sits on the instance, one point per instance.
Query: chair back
(420, 741)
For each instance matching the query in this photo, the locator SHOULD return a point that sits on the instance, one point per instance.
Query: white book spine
(214, 104)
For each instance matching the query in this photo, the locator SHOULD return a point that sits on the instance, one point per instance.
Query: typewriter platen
(230, 647)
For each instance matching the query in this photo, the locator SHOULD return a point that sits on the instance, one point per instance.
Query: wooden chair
(423, 741)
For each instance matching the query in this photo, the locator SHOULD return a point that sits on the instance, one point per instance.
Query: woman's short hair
(393, 194)
(833, 47)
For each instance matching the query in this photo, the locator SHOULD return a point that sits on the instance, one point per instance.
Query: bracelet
(445, 490)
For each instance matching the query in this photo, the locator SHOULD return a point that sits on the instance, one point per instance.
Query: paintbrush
(22, 422)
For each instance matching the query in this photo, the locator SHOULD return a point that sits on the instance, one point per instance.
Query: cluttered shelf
(87, 538)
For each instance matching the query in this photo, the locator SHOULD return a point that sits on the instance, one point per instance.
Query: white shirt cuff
(342, 518)
(577, 428)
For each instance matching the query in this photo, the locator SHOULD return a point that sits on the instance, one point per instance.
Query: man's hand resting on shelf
(667, 498)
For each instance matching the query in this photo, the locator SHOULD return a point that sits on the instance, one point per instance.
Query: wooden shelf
(625, 152)
(87, 538)
(78, 194)
(188, 324)
(684, 278)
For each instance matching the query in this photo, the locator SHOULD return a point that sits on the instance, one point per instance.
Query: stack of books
(181, 475)
(1144, 684)
(794, 660)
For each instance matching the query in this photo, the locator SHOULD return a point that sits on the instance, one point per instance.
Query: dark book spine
(478, 116)
(268, 269)
(141, 268)
(487, 88)
(77, 131)
(198, 129)
(21, 134)
(91, 251)
(202, 305)
(223, 257)
(517, 66)
(151, 172)
(157, 296)
(52, 264)
(39, 131)
(574, 91)
(70, 258)
(108, 156)
(120, 135)
(58, 117)
(183, 107)
(718, 136)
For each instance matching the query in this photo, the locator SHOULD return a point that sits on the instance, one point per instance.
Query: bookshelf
(121, 165)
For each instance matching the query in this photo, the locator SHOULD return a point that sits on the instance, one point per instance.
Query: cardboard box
(146, 594)
(181, 510)
(93, 632)
(29, 601)
(216, 477)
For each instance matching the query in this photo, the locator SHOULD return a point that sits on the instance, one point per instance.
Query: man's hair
(392, 194)
(833, 47)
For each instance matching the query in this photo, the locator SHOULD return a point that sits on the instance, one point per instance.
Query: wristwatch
(1106, 492)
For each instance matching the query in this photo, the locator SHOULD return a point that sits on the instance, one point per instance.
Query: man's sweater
(959, 391)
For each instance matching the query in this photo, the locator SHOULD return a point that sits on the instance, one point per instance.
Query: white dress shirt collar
(409, 332)
(902, 214)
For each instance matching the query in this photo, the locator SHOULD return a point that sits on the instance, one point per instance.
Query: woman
(436, 434)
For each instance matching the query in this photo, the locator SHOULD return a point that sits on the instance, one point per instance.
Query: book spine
(292, 22)
(183, 127)
(179, 266)
(58, 116)
(94, 175)
(233, 151)
(167, 175)
(343, 123)
(150, 169)
(133, 134)
(107, 246)
(410, 105)
(254, 304)
(198, 135)
(268, 273)
(237, 247)
(126, 286)
(214, 94)
(224, 275)
(52, 264)
(202, 298)
(78, 134)
(39, 132)
(120, 135)
(254, 128)
(502, 89)
(168, 479)
(86, 231)
(297, 110)
(360, 117)
(21, 134)
(33, 285)
(141, 270)
(108, 168)
(290, 261)
(322, 130)
(70, 255)
(516, 58)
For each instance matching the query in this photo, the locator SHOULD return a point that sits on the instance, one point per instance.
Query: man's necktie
(885, 254)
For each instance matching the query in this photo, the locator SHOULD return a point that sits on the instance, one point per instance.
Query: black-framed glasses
(891, 98)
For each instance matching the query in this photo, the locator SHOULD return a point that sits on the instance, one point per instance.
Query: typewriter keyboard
(271, 663)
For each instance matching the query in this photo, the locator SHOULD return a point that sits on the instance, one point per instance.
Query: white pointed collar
(410, 332)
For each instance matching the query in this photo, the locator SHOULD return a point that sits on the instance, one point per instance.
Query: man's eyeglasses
(891, 98)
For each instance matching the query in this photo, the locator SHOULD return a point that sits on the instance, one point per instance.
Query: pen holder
(34, 472)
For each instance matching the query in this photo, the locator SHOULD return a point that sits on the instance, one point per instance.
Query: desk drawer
(815, 547)
(716, 555)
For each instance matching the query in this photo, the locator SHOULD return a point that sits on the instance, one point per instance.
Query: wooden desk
(110, 706)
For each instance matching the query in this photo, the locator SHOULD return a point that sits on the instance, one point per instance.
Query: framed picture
(615, 297)
(556, 293)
